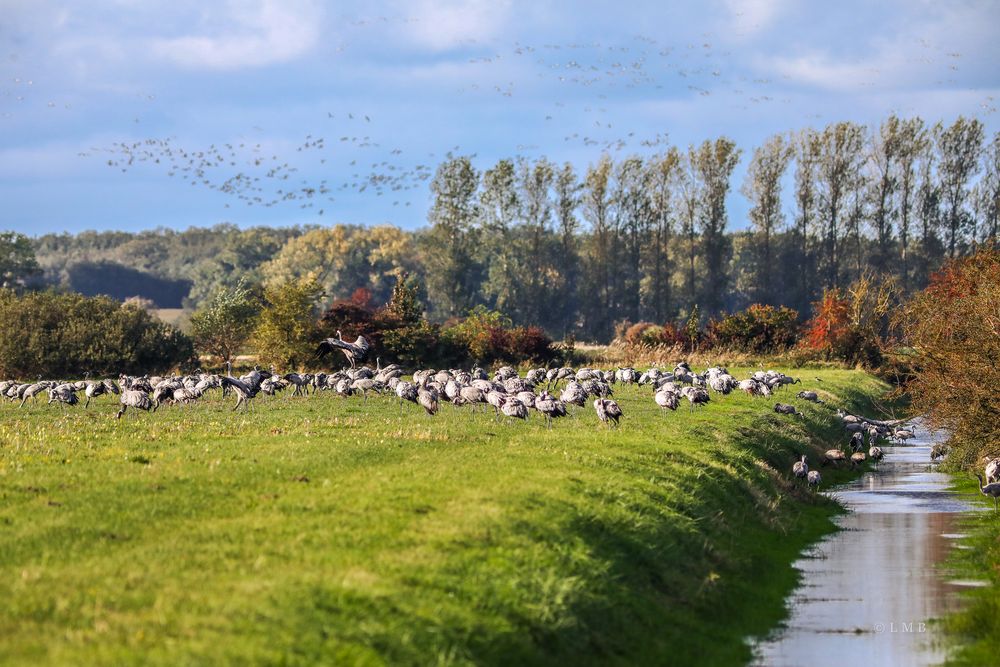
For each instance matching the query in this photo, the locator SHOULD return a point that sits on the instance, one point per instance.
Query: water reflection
(869, 591)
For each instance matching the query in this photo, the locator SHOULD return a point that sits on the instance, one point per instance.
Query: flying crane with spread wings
(355, 352)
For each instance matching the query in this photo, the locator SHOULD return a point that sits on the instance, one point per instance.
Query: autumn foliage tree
(953, 330)
(852, 324)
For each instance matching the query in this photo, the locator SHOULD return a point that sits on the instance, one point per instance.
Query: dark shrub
(653, 335)
(348, 317)
(758, 329)
(531, 344)
(634, 333)
(66, 335)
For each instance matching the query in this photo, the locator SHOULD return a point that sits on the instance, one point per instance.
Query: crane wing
(238, 385)
(329, 345)
(361, 348)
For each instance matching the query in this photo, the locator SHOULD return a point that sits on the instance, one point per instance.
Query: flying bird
(355, 352)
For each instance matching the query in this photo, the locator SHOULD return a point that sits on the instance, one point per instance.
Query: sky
(132, 114)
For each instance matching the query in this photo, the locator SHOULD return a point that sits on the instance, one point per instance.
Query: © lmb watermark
(901, 627)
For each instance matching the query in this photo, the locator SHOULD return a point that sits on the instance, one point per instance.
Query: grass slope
(319, 530)
(976, 627)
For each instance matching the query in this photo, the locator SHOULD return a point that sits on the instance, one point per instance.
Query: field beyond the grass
(323, 530)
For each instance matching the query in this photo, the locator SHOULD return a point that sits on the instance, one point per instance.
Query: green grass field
(323, 530)
(975, 627)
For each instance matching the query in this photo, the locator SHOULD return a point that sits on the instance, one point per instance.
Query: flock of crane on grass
(510, 395)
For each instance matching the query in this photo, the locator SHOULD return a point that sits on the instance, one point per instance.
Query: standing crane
(800, 468)
(550, 407)
(607, 411)
(992, 490)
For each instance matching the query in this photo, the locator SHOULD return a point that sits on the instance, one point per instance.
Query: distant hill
(121, 282)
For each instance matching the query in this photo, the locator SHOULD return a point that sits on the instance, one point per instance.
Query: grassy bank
(318, 530)
(976, 627)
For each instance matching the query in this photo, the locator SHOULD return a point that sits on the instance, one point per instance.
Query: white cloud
(441, 25)
(246, 35)
(753, 16)
(820, 71)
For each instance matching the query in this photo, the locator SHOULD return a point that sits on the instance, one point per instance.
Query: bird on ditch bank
(938, 451)
(834, 456)
(813, 479)
(800, 468)
(992, 490)
(993, 471)
(875, 453)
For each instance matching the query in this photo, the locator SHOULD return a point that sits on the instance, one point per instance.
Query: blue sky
(247, 90)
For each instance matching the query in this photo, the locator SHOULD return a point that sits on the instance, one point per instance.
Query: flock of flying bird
(583, 84)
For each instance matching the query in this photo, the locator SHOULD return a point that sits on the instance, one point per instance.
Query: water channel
(869, 592)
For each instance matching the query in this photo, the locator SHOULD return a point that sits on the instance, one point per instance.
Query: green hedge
(66, 335)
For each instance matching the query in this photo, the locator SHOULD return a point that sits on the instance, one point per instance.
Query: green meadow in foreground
(324, 530)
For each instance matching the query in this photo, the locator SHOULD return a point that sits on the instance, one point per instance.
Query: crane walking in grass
(607, 411)
(132, 398)
(991, 490)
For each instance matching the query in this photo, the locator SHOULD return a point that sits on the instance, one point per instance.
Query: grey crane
(695, 396)
(993, 471)
(992, 490)
(365, 385)
(809, 396)
(834, 456)
(406, 391)
(33, 390)
(428, 399)
(550, 407)
(574, 393)
(355, 352)
(300, 382)
(64, 394)
(244, 392)
(667, 399)
(133, 398)
(513, 407)
(607, 411)
(95, 389)
(800, 468)
(472, 396)
(813, 479)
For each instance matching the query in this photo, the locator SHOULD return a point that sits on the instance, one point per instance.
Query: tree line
(637, 239)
